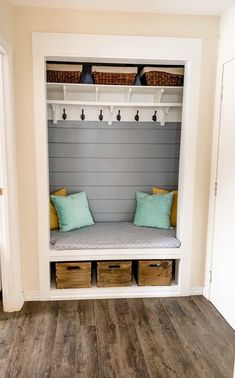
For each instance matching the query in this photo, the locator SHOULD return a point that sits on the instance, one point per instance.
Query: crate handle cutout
(114, 266)
(73, 267)
(164, 264)
(154, 265)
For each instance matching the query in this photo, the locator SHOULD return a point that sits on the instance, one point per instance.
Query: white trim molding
(106, 293)
(119, 49)
(10, 249)
(196, 290)
(212, 199)
(32, 296)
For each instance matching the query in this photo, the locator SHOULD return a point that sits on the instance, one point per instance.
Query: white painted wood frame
(213, 179)
(118, 49)
(9, 229)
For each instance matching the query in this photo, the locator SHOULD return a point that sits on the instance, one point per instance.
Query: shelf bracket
(65, 92)
(96, 94)
(110, 120)
(163, 115)
(159, 94)
(54, 113)
(128, 94)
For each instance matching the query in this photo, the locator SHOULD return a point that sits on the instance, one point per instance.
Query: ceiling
(189, 7)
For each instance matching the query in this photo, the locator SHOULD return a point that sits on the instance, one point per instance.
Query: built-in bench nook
(116, 142)
(112, 141)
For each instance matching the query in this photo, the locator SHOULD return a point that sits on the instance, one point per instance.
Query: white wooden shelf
(93, 88)
(111, 97)
(133, 291)
(116, 104)
(115, 254)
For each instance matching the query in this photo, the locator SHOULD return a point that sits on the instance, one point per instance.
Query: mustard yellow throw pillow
(174, 203)
(54, 222)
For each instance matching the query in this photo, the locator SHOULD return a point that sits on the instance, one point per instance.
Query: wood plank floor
(167, 337)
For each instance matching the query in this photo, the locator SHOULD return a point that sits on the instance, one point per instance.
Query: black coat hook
(137, 117)
(119, 116)
(101, 116)
(64, 115)
(154, 117)
(82, 116)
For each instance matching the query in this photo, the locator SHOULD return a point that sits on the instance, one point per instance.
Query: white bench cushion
(114, 235)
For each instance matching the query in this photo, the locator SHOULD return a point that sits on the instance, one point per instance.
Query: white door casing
(9, 227)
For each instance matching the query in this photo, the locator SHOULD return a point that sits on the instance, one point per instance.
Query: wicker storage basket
(63, 73)
(113, 273)
(162, 76)
(114, 75)
(73, 275)
(154, 273)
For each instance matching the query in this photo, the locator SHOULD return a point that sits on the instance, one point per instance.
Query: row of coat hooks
(118, 117)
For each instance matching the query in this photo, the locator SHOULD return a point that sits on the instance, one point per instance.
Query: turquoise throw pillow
(153, 210)
(73, 211)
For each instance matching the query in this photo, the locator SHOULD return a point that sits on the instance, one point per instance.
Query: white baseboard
(206, 292)
(31, 296)
(35, 295)
(196, 290)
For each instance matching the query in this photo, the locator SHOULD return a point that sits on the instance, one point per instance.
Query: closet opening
(113, 141)
(101, 118)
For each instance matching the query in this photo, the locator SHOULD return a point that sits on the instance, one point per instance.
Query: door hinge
(1, 191)
(210, 274)
(216, 186)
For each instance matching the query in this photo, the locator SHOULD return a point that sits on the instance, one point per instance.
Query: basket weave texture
(63, 76)
(114, 78)
(160, 78)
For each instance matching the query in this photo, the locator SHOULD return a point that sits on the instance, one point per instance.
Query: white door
(223, 259)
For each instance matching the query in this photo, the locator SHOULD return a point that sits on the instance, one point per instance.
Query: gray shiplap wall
(112, 162)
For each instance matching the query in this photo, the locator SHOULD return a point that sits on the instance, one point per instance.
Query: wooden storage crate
(154, 273)
(114, 75)
(63, 73)
(163, 76)
(73, 275)
(113, 273)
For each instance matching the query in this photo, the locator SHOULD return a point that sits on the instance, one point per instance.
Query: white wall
(227, 36)
(6, 20)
